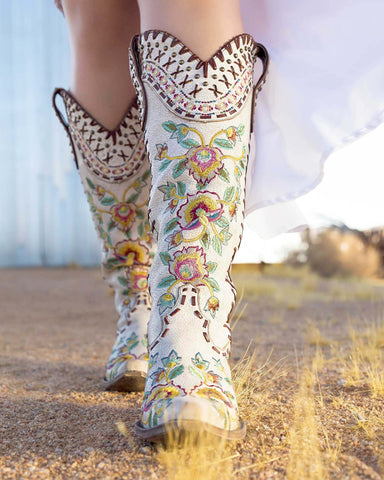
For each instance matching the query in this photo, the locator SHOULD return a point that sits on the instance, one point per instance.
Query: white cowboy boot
(115, 174)
(197, 118)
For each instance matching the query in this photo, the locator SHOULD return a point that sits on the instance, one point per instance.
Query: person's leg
(100, 32)
(197, 118)
(202, 25)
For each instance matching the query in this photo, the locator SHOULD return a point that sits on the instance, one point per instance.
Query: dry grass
(305, 459)
(362, 360)
(311, 391)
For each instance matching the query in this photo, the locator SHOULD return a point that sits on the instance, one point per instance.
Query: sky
(352, 191)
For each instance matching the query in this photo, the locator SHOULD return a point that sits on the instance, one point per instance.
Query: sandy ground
(56, 330)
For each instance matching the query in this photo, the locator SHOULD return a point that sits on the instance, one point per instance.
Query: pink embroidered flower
(189, 266)
(123, 214)
(204, 163)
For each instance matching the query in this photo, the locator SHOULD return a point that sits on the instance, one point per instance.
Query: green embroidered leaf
(222, 142)
(146, 175)
(170, 225)
(167, 281)
(181, 188)
(196, 372)
(189, 142)
(216, 243)
(222, 222)
(175, 372)
(205, 240)
(224, 175)
(108, 201)
(167, 190)
(169, 126)
(125, 292)
(91, 184)
(212, 282)
(140, 214)
(112, 262)
(123, 281)
(211, 266)
(93, 209)
(111, 225)
(132, 198)
(164, 165)
(165, 257)
(225, 235)
(179, 169)
(140, 230)
(240, 129)
(228, 194)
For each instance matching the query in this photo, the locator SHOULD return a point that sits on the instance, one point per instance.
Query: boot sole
(177, 430)
(132, 381)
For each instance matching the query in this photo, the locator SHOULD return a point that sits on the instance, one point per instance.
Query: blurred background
(44, 215)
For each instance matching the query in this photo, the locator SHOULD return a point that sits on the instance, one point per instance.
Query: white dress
(325, 88)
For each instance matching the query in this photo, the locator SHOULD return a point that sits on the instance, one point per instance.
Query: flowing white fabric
(325, 88)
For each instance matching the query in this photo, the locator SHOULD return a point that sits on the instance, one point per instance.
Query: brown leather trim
(63, 121)
(263, 55)
(137, 67)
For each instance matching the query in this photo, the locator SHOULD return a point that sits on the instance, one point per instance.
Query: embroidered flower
(232, 134)
(129, 253)
(100, 191)
(212, 305)
(232, 209)
(189, 265)
(167, 300)
(180, 132)
(138, 278)
(199, 362)
(200, 209)
(162, 150)
(204, 163)
(123, 214)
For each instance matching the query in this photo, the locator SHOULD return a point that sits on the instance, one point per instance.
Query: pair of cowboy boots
(195, 118)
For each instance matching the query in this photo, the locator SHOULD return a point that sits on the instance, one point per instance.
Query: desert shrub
(332, 251)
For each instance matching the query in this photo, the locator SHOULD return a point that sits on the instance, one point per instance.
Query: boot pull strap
(263, 55)
(63, 121)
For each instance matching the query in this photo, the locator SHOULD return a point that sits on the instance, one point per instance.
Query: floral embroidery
(211, 388)
(187, 266)
(122, 352)
(129, 252)
(122, 212)
(204, 160)
(159, 397)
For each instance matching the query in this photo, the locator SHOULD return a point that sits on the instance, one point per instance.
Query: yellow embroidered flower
(200, 209)
(129, 253)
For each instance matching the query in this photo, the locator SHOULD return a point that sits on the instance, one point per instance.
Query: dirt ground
(57, 327)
